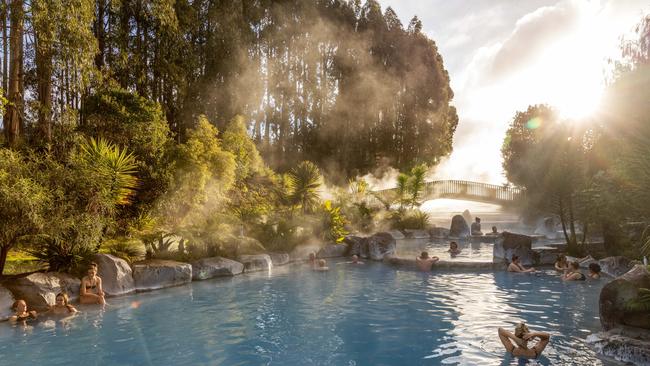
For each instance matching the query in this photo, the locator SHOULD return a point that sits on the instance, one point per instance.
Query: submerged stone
(459, 227)
(280, 259)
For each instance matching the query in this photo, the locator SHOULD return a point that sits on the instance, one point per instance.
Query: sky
(503, 55)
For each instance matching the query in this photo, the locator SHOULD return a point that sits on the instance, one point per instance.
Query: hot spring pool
(352, 315)
(469, 251)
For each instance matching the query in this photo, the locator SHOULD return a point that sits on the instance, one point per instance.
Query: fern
(641, 303)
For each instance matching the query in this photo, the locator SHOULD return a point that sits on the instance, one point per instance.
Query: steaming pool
(369, 314)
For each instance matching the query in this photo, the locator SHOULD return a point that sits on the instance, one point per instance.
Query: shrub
(62, 255)
(131, 250)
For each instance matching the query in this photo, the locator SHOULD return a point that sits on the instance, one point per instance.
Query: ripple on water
(351, 315)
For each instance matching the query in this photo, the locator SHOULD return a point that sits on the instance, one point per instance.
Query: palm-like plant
(304, 182)
(402, 188)
(416, 184)
(113, 167)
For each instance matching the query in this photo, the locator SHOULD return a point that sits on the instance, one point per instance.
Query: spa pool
(367, 314)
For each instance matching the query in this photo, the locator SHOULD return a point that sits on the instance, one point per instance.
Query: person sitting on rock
(594, 271)
(561, 264)
(516, 266)
(91, 291)
(61, 306)
(574, 274)
(20, 312)
(322, 265)
(453, 249)
(424, 262)
(521, 337)
(476, 227)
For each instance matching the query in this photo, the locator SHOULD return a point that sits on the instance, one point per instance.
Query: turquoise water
(352, 315)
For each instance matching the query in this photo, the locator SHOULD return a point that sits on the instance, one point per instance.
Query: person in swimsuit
(594, 271)
(521, 337)
(516, 266)
(91, 287)
(453, 249)
(561, 264)
(355, 260)
(322, 265)
(574, 273)
(21, 313)
(61, 306)
(424, 262)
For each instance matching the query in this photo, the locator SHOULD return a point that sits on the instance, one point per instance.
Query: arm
(100, 290)
(513, 268)
(82, 288)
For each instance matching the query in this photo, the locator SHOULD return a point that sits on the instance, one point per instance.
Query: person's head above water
(515, 258)
(494, 229)
(61, 299)
(92, 269)
(594, 268)
(575, 265)
(521, 329)
(355, 258)
(322, 263)
(424, 255)
(478, 219)
(19, 306)
(453, 245)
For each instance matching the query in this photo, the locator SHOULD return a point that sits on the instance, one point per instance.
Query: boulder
(398, 235)
(6, 301)
(381, 245)
(116, 275)
(617, 293)
(624, 345)
(509, 244)
(257, 262)
(615, 266)
(439, 232)
(332, 251)
(205, 268)
(156, 273)
(40, 289)
(357, 245)
(301, 252)
(280, 259)
(459, 228)
(414, 234)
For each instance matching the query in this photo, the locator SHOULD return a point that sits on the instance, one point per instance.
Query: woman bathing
(61, 306)
(561, 264)
(21, 313)
(574, 273)
(594, 271)
(521, 337)
(516, 266)
(91, 288)
(453, 249)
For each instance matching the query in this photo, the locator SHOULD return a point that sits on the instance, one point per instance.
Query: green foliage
(416, 184)
(62, 255)
(641, 303)
(332, 224)
(236, 140)
(113, 170)
(413, 219)
(131, 250)
(304, 182)
(23, 201)
(279, 233)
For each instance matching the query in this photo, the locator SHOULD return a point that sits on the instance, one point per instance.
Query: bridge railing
(471, 190)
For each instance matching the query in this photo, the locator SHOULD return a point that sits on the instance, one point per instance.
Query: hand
(528, 336)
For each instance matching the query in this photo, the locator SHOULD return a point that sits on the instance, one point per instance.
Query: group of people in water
(321, 264)
(570, 270)
(90, 292)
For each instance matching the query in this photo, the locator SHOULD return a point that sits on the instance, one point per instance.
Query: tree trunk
(5, 49)
(12, 118)
(99, 34)
(4, 250)
(43, 59)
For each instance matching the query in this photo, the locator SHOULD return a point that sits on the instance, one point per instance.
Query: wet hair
(322, 263)
(92, 265)
(14, 306)
(65, 297)
(575, 265)
(424, 255)
(521, 329)
(494, 229)
(514, 258)
(453, 244)
(561, 258)
(594, 267)
(478, 219)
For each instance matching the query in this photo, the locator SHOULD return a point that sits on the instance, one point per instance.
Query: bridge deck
(467, 190)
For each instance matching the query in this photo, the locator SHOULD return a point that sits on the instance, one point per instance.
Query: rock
(205, 268)
(459, 227)
(624, 347)
(414, 234)
(257, 262)
(40, 289)
(6, 301)
(508, 244)
(116, 275)
(546, 255)
(467, 216)
(332, 251)
(381, 245)
(156, 273)
(357, 246)
(439, 232)
(397, 235)
(280, 259)
(409, 263)
(615, 266)
(615, 294)
(301, 252)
